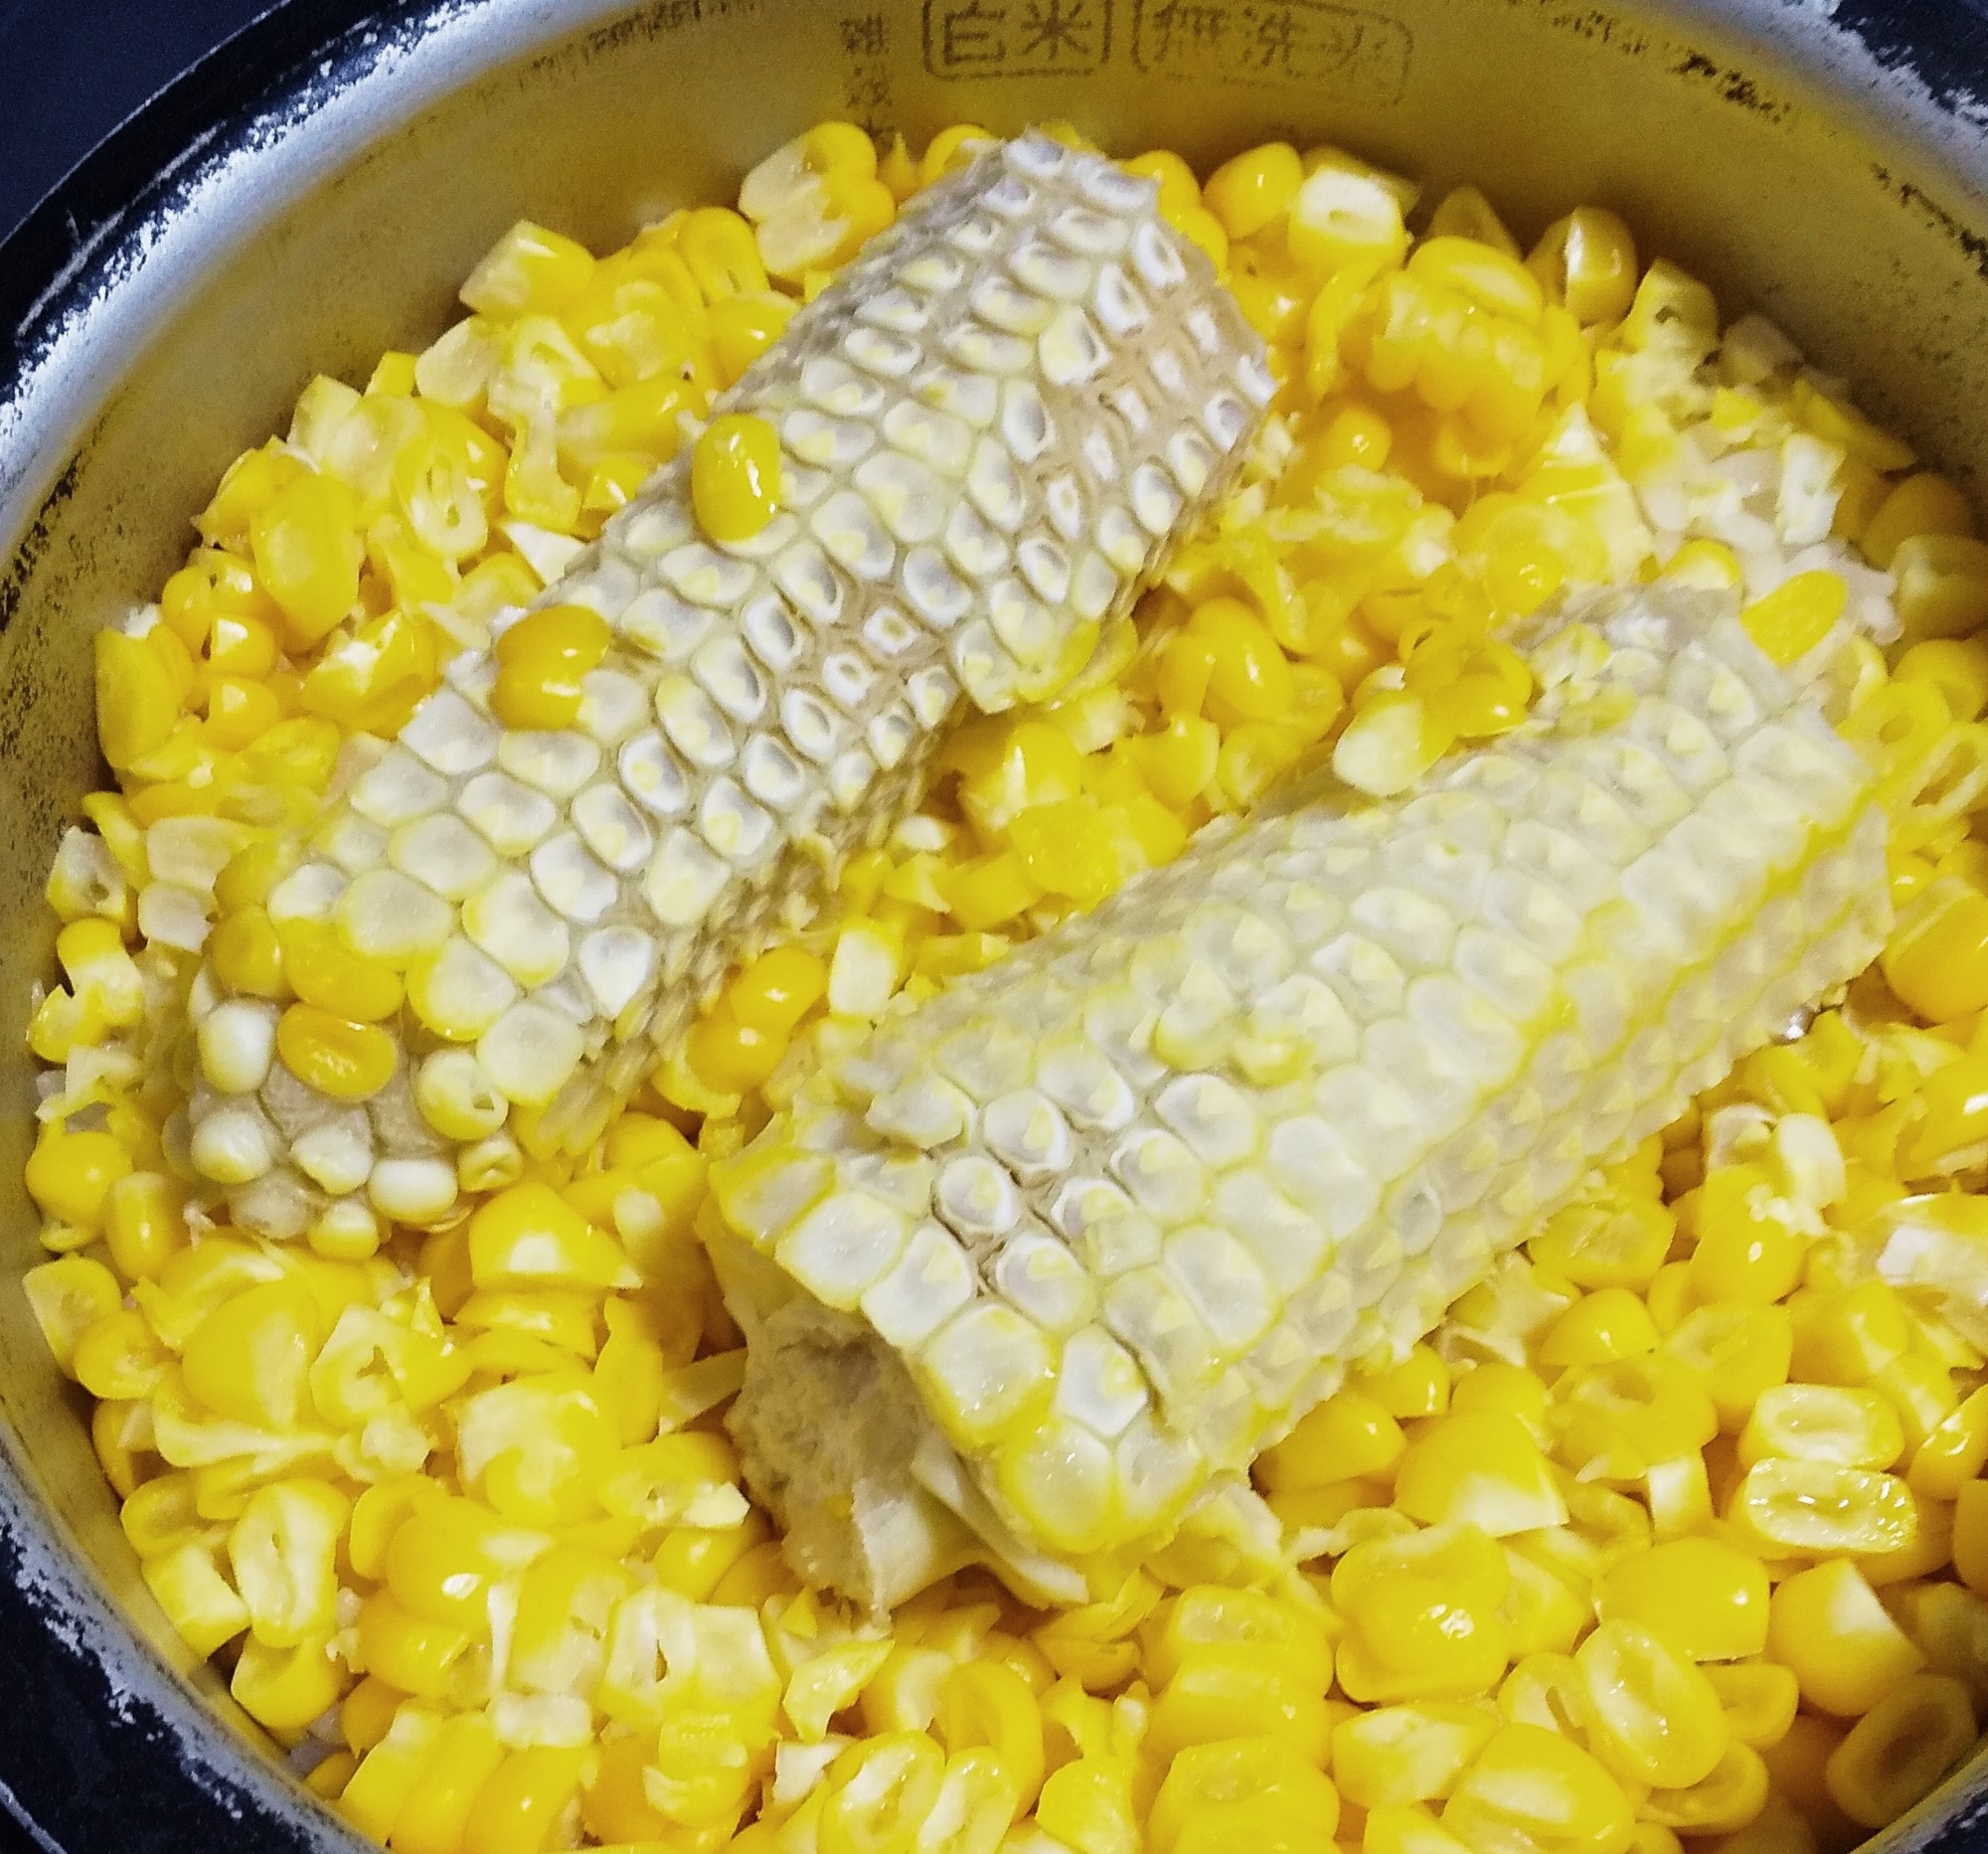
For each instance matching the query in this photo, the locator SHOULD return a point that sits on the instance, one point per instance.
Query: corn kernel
(1220, 1692)
(1923, 504)
(1758, 1698)
(1900, 1749)
(1652, 1715)
(285, 1689)
(1481, 1466)
(1249, 190)
(70, 1175)
(1705, 1596)
(1415, 1637)
(66, 1297)
(1408, 1753)
(307, 555)
(1241, 1792)
(435, 1814)
(1587, 261)
(1347, 1436)
(333, 1055)
(1829, 1627)
(1530, 1786)
(987, 1703)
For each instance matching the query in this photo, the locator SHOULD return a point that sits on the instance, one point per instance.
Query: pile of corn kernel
(1675, 1533)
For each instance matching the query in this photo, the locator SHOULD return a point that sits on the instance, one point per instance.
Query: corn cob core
(991, 425)
(1040, 1269)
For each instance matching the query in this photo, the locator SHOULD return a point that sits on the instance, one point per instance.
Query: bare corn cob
(993, 424)
(1048, 1260)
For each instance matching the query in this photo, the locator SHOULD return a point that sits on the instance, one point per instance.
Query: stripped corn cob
(991, 427)
(1034, 1275)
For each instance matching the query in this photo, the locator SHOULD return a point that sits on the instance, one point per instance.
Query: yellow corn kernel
(1211, 1615)
(1817, 1507)
(1086, 1805)
(410, 1652)
(120, 1433)
(774, 992)
(443, 1559)
(987, 891)
(1952, 1116)
(390, 1771)
(1722, 1802)
(1347, 1436)
(1706, 566)
(759, 1574)
(1789, 622)
(1412, 1636)
(1971, 1536)
(1393, 739)
(878, 1793)
(1744, 1254)
(1249, 191)
(102, 976)
(988, 1703)
(70, 1175)
(1220, 1692)
(1759, 1699)
(251, 1357)
(1956, 666)
(283, 1552)
(1937, 956)
(1588, 263)
(528, 272)
(1239, 1793)
(68, 1296)
(1481, 1466)
(330, 1774)
(1952, 1454)
(614, 1803)
(729, 1056)
(246, 955)
(1822, 1423)
(1900, 1749)
(1827, 1625)
(1950, 1625)
(1510, 1390)
(1848, 1335)
(197, 1599)
(345, 1060)
(542, 660)
(528, 1236)
(522, 1798)
(326, 974)
(118, 1356)
(1408, 1753)
(1609, 1323)
(1418, 1386)
(432, 1819)
(285, 1689)
(137, 695)
(307, 554)
(1532, 1788)
(366, 1713)
(1652, 1715)
(160, 1515)
(1923, 504)
(1942, 586)
(1705, 1598)
(1615, 1241)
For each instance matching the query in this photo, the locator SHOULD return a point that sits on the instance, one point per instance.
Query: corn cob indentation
(1085, 1233)
(991, 427)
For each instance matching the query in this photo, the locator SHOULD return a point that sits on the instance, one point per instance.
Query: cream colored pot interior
(1756, 143)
